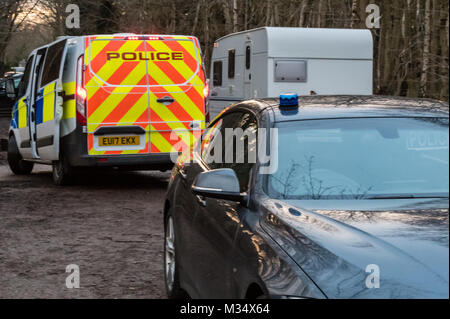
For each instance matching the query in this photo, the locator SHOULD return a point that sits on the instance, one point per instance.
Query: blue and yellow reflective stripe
(39, 109)
(22, 113)
(48, 112)
(45, 105)
(15, 116)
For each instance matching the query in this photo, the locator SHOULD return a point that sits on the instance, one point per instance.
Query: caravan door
(49, 101)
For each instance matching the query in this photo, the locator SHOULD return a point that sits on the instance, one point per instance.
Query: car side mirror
(10, 89)
(218, 183)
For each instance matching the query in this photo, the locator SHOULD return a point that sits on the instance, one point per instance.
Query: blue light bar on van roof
(289, 99)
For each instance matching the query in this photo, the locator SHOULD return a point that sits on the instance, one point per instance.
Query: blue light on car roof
(289, 99)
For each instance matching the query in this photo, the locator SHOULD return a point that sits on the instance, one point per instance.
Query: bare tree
(426, 49)
(410, 48)
(10, 22)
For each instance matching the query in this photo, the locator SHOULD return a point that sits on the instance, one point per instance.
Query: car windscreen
(361, 158)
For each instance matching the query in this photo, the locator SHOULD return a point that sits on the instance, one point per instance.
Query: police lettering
(141, 56)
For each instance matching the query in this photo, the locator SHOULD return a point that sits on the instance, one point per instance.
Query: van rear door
(117, 110)
(176, 83)
(140, 89)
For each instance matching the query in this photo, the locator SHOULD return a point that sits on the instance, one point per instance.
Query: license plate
(119, 140)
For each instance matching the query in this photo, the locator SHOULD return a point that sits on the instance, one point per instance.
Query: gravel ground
(111, 227)
(109, 224)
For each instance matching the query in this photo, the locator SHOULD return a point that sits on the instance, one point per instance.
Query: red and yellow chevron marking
(124, 77)
(164, 80)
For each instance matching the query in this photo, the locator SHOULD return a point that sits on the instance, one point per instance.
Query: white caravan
(267, 61)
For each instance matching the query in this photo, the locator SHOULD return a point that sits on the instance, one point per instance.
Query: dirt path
(110, 226)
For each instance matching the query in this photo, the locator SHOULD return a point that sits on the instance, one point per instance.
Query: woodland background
(410, 47)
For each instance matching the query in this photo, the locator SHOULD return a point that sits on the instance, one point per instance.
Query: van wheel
(171, 272)
(17, 165)
(62, 171)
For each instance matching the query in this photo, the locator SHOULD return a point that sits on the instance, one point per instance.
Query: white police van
(107, 101)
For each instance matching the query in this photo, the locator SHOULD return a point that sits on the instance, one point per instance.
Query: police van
(122, 100)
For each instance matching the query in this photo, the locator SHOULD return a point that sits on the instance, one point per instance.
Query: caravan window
(52, 62)
(231, 58)
(217, 73)
(290, 71)
(247, 57)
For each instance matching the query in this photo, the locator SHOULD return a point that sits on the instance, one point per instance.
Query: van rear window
(52, 62)
(25, 78)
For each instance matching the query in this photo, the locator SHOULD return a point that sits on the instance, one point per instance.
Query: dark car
(6, 100)
(348, 198)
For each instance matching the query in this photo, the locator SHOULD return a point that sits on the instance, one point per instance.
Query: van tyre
(62, 171)
(171, 265)
(17, 165)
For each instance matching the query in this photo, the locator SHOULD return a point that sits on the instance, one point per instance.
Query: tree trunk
(235, 16)
(355, 18)
(246, 15)
(434, 68)
(383, 63)
(444, 44)
(268, 12)
(303, 7)
(426, 49)
(206, 35)
(321, 14)
(226, 14)
(197, 12)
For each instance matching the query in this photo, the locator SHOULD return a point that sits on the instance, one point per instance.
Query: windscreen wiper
(406, 196)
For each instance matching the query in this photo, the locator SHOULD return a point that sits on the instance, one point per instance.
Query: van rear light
(154, 38)
(80, 103)
(143, 37)
(80, 93)
(206, 89)
(206, 94)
